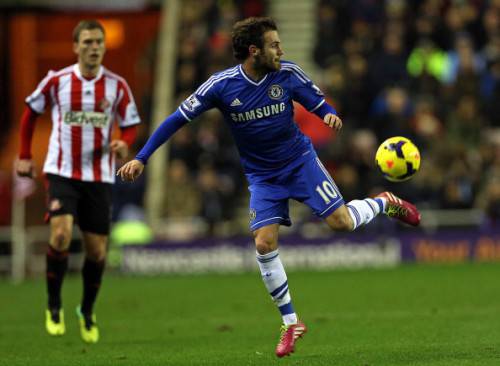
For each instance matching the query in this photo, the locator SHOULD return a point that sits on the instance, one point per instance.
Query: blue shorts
(309, 183)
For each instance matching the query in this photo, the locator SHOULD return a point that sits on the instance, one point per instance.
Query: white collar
(78, 73)
(249, 79)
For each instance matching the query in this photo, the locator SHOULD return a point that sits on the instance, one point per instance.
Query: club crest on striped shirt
(275, 91)
(104, 104)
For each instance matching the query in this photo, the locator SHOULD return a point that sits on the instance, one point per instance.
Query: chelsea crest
(275, 91)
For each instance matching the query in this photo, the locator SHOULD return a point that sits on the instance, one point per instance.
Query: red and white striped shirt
(83, 114)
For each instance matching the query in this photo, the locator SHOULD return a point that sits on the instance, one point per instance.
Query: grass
(412, 315)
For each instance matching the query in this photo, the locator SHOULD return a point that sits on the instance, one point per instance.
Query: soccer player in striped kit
(256, 100)
(85, 100)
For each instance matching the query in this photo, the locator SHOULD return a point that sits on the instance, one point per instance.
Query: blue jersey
(260, 115)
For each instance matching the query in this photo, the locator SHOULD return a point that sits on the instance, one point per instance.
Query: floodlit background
(428, 70)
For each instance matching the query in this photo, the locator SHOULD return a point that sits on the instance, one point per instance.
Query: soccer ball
(398, 159)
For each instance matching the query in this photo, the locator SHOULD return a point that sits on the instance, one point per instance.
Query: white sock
(275, 280)
(363, 211)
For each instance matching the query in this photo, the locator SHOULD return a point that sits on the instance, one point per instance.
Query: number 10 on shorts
(326, 191)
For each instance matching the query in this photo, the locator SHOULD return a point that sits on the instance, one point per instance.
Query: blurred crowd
(206, 185)
(428, 70)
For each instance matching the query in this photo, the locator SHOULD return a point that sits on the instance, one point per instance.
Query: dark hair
(86, 25)
(250, 31)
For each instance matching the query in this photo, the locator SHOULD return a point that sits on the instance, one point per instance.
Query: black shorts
(88, 202)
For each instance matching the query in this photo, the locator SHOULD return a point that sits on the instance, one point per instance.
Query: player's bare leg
(57, 263)
(266, 238)
(92, 271)
(360, 212)
(340, 220)
(275, 280)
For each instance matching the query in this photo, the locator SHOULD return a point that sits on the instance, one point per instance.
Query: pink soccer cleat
(400, 209)
(289, 335)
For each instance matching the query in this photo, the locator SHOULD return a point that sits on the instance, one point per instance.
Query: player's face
(90, 47)
(271, 51)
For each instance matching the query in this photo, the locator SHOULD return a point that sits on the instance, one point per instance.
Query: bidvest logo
(80, 118)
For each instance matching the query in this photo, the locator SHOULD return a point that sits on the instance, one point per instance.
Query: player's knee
(340, 222)
(265, 246)
(60, 238)
(95, 246)
(96, 255)
(265, 243)
(97, 251)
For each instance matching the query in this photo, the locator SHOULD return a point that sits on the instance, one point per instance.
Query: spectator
(391, 111)
(464, 124)
(182, 197)
(388, 66)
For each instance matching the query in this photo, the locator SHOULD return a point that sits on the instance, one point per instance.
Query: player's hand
(119, 148)
(25, 168)
(131, 170)
(333, 121)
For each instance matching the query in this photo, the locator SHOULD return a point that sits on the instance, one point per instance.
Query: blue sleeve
(201, 100)
(303, 89)
(168, 127)
(324, 109)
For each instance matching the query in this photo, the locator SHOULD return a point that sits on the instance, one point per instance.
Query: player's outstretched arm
(131, 171)
(329, 116)
(333, 121)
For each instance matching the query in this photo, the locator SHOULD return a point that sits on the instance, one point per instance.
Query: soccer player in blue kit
(256, 100)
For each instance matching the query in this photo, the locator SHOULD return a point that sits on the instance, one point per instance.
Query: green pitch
(413, 315)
